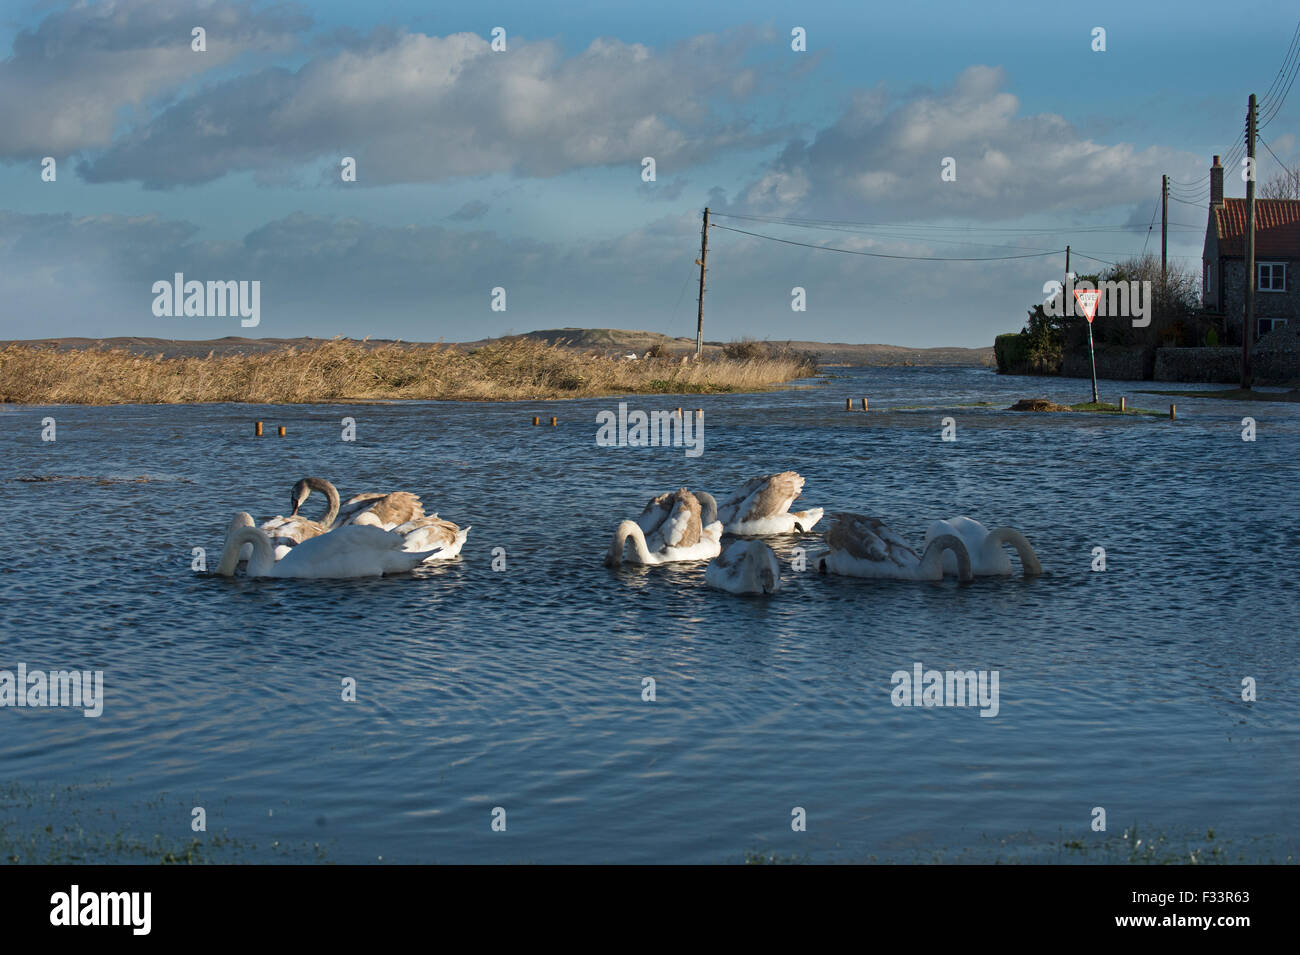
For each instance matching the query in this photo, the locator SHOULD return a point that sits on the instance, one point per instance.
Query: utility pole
(1164, 230)
(1248, 321)
(1067, 298)
(704, 257)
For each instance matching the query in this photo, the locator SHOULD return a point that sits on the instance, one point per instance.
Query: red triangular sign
(1087, 299)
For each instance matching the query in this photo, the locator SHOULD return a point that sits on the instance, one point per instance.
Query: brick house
(1277, 260)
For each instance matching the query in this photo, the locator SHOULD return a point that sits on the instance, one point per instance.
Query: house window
(1266, 325)
(1209, 277)
(1272, 277)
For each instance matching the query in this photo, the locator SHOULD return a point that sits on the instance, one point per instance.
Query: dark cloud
(474, 209)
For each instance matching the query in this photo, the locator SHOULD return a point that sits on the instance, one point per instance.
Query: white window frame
(1209, 278)
(1272, 275)
(1275, 324)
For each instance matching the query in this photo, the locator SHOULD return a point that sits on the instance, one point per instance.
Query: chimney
(1216, 184)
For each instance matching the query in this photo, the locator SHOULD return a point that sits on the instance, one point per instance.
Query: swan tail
(1009, 535)
(807, 520)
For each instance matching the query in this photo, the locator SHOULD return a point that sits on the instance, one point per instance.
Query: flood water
(521, 687)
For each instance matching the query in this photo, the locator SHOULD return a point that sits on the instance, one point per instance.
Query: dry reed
(346, 370)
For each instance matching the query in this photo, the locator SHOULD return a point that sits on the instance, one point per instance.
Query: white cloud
(882, 160)
(416, 108)
(67, 80)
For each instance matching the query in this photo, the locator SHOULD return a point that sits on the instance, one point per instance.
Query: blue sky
(522, 169)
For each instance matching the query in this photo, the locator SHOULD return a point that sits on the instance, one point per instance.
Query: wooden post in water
(848, 404)
(281, 431)
(1121, 402)
(1172, 412)
(554, 421)
(864, 404)
(258, 429)
(536, 421)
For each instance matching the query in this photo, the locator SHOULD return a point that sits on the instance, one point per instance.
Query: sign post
(1087, 299)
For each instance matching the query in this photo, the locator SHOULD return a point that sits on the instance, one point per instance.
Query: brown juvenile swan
(862, 546)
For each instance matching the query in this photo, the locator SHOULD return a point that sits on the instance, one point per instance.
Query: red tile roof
(1277, 228)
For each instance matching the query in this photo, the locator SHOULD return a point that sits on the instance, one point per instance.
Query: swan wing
(775, 495)
(869, 538)
(682, 528)
(351, 551)
(760, 497)
(390, 510)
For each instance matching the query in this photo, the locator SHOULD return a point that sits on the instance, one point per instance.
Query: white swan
(345, 552)
(745, 567)
(426, 533)
(390, 509)
(761, 507)
(988, 558)
(864, 547)
(673, 527)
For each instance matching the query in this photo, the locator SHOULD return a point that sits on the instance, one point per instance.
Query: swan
(761, 507)
(673, 527)
(864, 547)
(424, 534)
(745, 567)
(391, 509)
(345, 552)
(988, 558)
(288, 532)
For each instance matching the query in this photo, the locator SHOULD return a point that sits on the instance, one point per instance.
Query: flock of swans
(686, 526)
(375, 534)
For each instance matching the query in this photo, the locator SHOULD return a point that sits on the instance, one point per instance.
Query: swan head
(301, 491)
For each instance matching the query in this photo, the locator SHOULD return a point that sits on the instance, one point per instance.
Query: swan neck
(708, 508)
(1009, 535)
(263, 559)
(331, 495)
(932, 561)
(626, 530)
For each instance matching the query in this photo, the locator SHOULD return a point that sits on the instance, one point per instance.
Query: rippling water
(522, 688)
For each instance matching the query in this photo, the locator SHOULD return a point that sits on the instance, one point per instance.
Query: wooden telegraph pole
(1164, 230)
(704, 257)
(1248, 320)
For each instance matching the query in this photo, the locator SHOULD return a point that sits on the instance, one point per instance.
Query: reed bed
(348, 370)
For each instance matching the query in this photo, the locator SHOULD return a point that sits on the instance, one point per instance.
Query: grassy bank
(343, 370)
(1093, 407)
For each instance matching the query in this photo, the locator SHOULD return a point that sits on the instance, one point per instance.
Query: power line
(1294, 56)
(811, 223)
(1274, 155)
(1150, 227)
(1295, 45)
(884, 255)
